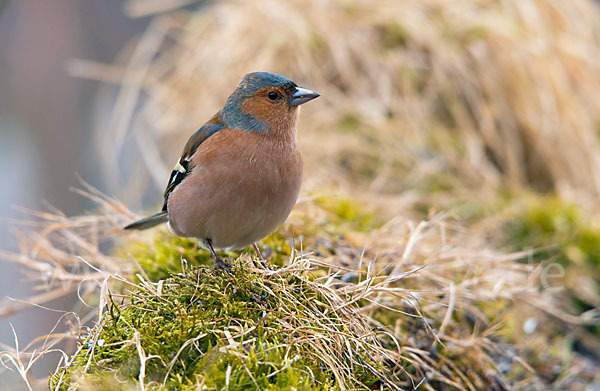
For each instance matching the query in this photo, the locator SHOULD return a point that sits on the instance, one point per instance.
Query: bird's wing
(182, 168)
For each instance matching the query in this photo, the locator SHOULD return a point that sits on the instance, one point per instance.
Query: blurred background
(46, 123)
(487, 110)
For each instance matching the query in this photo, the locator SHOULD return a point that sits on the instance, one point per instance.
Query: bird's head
(264, 102)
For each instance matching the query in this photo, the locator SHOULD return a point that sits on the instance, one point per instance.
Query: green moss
(347, 214)
(214, 329)
(560, 232)
(277, 247)
(559, 227)
(166, 254)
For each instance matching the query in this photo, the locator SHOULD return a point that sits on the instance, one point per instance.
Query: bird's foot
(222, 265)
(219, 263)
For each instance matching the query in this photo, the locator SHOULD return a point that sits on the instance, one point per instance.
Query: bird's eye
(273, 95)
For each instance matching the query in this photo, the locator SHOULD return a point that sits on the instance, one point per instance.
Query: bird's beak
(302, 95)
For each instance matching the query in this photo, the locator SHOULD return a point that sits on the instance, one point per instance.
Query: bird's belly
(234, 216)
(250, 219)
(241, 234)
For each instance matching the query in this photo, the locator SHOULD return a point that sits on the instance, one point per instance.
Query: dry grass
(475, 94)
(402, 291)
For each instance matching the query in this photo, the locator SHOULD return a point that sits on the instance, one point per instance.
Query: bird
(239, 175)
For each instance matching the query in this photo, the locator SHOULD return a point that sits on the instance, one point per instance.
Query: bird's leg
(263, 261)
(257, 250)
(219, 263)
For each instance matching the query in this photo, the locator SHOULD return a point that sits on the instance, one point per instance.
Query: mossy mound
(254, 329)
(331, 313)
(349, 303)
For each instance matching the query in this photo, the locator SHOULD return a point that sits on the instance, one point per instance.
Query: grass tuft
(252, 329)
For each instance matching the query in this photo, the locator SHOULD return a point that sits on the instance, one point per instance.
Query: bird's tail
(149, 222)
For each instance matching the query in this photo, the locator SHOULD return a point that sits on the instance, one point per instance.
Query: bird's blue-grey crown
(232, 113)
(253, 82)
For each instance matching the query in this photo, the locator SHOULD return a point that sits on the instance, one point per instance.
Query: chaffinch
(239, 175)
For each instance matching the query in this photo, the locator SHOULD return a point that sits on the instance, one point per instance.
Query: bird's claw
(222, 265)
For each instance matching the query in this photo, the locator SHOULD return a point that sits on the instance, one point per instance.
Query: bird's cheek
(258, 110)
